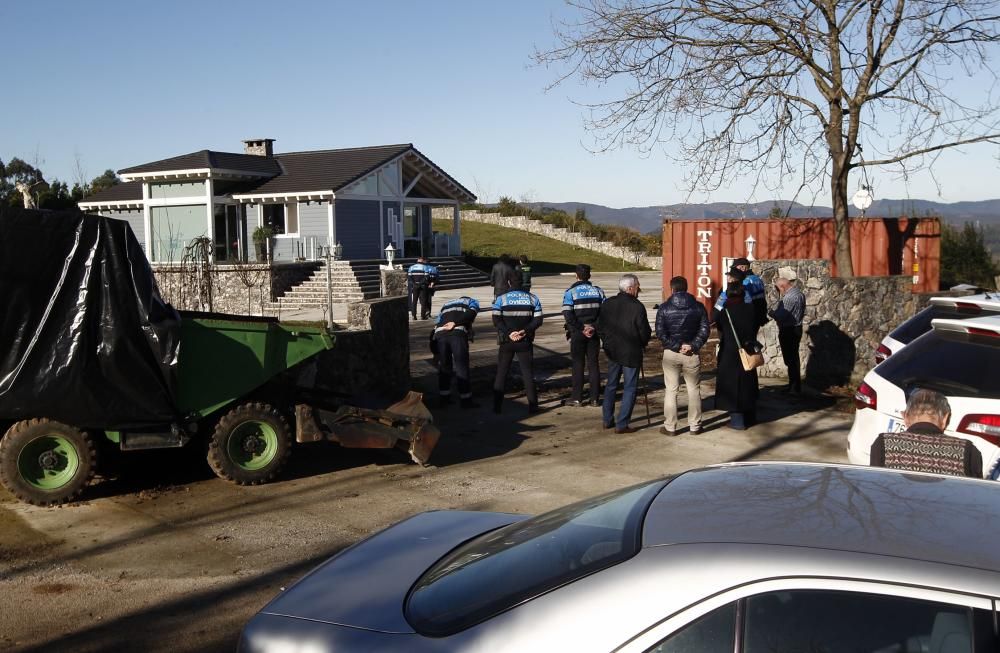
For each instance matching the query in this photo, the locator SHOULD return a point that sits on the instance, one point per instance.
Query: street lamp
(390, 253)
(750, 242)
(338, 251)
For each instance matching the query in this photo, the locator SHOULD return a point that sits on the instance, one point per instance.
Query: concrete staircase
(354, 281)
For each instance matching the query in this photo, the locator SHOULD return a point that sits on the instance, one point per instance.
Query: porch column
(331, 225)
(147, 222)
(210, 199)
(456, 230)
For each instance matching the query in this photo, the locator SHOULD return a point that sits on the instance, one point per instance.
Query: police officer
(452, 335)
(581, 306)
(421, 277)
(753, 287)
(516, 315)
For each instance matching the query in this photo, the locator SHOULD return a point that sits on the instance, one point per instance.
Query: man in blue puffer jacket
(682, 328)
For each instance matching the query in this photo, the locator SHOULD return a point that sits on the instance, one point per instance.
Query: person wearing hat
(788, 314)
(580, 308)
(753, 287)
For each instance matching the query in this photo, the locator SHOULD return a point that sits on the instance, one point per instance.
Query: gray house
(361, 199)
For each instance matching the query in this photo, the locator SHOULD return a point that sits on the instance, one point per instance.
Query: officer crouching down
(452, 335)
(516, 315)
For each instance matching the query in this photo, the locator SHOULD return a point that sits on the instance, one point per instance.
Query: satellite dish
(862, 199)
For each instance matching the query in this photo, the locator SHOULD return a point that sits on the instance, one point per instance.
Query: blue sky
(116, 84)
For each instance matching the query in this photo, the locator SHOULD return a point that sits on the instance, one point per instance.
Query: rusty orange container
(700, 250)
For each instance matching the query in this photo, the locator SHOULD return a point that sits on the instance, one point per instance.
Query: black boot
(533, 408)
(497, 401)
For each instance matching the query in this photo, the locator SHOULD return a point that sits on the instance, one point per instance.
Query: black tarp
(85, 337)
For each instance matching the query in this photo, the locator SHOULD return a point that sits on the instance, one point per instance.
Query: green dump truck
(95, 358)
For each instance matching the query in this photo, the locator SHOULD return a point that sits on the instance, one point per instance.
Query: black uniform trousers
(789, 339)
(584, 351)
(453, 350)
(525, 359)
(422, 294)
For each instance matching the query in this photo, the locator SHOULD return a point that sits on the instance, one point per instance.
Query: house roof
(290, 172)
(209, 159)
(129, 191)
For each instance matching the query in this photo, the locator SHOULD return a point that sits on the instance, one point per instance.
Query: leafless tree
(782, 90)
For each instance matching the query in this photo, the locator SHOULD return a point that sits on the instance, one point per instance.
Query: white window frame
(287, 205)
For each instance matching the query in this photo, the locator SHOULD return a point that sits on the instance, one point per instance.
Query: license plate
(895, 426)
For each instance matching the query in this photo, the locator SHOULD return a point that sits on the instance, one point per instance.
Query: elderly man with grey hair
(624, 331)
(923, 446)
(788, 314)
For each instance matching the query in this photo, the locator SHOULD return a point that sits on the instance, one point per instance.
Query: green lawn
(483, 243)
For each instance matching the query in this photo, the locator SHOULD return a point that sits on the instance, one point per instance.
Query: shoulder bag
(750, 361)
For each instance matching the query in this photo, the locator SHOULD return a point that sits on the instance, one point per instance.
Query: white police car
(958, 358)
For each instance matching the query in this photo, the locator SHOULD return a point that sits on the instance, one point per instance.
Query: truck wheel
(250, 444)
(46, 463)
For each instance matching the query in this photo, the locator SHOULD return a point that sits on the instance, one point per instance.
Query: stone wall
(538, 227)
(235, 289)
(844, 322)
(394, 283)
(370, 362)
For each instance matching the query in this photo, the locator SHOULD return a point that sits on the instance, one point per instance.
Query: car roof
(878, 511)
(988, 301)
(987, 325)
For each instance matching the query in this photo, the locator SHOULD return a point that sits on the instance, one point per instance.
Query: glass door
(412, 245)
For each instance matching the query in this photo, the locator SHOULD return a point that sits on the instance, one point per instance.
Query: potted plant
(261, 237)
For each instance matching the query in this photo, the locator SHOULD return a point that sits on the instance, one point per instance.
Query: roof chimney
(259, 147)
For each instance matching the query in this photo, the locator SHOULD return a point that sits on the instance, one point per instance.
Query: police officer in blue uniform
(421, 277)
(452, 335)
(516, 315)
(753, 287)
(581, 306)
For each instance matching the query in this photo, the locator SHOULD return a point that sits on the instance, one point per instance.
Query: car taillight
(986, 427)
(882, 353)
(967, 308)
(976, 331)
(865, 397)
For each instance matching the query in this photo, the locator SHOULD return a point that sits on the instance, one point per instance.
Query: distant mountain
(649, 218)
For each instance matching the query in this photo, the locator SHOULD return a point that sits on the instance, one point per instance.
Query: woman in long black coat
(736, 390)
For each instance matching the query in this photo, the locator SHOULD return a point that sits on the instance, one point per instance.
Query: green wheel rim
(48, 462)
(252, 445)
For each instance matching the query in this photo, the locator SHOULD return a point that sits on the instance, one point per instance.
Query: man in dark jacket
(421, 277)
(502, 276)
(682, 329)
(624, 331)
(516, 316)
(452, 335)
(581, 307)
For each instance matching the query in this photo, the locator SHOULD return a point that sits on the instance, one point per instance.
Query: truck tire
(250, 444)
(46, 463)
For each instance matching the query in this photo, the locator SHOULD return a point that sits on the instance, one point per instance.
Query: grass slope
(483, 243)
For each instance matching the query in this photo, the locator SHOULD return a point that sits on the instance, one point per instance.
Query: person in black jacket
(516, 316)
(502, 276)
(581, 306)
(736, 390)
(624, 331)
(682, 329)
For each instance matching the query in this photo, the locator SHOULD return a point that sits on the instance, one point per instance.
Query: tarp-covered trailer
(90, 351)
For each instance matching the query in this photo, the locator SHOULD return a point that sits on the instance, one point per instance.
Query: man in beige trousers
(682, 328)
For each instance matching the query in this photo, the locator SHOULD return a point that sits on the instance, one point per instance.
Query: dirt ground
(165, 557)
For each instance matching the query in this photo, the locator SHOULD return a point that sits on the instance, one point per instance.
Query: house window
(173, 229)
(282, 218)
(170, 189)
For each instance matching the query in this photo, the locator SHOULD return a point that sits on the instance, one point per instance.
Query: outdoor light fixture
(390, 253)
(750, 242)
(338, 251)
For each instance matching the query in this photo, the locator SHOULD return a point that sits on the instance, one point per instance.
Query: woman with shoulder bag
(736, 388)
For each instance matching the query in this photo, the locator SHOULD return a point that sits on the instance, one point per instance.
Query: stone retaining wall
(370, 362)
(558, 233)
(844, 322)
(238, 290)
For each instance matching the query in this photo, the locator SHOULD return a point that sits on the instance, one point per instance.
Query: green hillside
(483, 243)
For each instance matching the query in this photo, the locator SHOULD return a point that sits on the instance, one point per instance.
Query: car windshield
(952, 363)
(498, 570)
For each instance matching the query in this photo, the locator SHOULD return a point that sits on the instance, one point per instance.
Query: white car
(960, 359)
(956, 308)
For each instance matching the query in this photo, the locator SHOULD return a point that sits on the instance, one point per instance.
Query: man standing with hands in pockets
(682, 329)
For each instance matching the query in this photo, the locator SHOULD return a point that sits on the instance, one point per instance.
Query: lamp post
(390, 253)
(750, 242)
(338, 251)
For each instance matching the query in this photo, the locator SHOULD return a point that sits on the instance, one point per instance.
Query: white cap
(787, 273)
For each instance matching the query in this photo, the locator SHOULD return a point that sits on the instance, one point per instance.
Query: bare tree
(783, 90)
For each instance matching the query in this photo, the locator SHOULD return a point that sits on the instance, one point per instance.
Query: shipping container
(701, 250)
